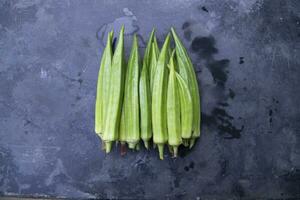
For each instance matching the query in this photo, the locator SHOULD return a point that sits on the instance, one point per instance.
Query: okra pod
(145, 107)
(153, 60)
(159, 120)
(186, 108)
(173, 109)
(156, 48)
(187, 72)
(132, 97)
(115, 94)
(103, 86)
(153, 64)
(145, 96)
(122, 131)
(147, 54)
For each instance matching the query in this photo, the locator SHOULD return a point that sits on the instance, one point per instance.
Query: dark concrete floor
(246, 54)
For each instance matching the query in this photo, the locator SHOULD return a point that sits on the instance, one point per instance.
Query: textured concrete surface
(246, 54)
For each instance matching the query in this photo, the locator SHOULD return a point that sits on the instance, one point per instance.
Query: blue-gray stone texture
(245, 53)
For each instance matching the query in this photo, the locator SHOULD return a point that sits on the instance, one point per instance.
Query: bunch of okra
(153, 98)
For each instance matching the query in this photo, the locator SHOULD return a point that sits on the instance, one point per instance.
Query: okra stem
(161, 151)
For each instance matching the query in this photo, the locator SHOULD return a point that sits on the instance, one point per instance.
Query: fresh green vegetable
(159, 120)
(132, 97)
(186, 108)
(187, 72)
(122, 128)
(145, 96)
(147, 54)
(173, 109)
(156, 48)
(103, 86)
(153, 64)
(159, 101)
(115, 94)
(153, 61)
(122, 131)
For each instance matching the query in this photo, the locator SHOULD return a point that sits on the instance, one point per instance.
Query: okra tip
(175, 151)
(146, 144)
(152, 35)
(161, 151)
(173, 32)
(171, 62)
(111, 33)
(168, 38)
(131, 145)
(122, 28)
(185, 142)
(108, 146)
(135, 40)
(192, 142)
(121, 34)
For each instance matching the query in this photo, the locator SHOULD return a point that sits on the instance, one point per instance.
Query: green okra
(122, 132)
(147, 54)
(103, 86)
(145, 107)
(156, 48)
(159, 120)
(145, 96)
(153, 60)
(123, 129)
(187, 72)
(132, 97)
(153, 64)
(115, 94)
(169, 52)
(186, 108)
(173, 109)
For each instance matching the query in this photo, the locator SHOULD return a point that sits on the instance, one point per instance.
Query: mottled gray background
(246, 54)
